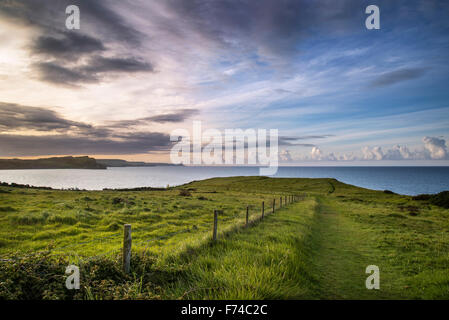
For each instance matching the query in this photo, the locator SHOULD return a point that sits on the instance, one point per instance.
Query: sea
(402, 180)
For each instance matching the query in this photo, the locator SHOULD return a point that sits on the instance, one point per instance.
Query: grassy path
(338, 260)
(341, 254)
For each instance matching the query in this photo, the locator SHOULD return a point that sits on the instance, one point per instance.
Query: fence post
(263, 208)
(247, 215)
(274, 204)
(214, 235)
(285, 200)
(127, 248)
(280, 202)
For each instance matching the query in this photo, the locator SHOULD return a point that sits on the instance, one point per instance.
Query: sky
(136, 70)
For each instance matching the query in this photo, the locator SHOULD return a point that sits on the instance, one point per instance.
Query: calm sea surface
(404, 180)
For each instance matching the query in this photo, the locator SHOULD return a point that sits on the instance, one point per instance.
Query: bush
(422, 197)
(441, 199)
(184, 193)
(42, 277)
(7, 209)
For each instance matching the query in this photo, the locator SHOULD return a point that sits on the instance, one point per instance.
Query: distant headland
(71, 163)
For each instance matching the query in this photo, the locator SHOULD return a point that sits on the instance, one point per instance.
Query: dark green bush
(41, 276)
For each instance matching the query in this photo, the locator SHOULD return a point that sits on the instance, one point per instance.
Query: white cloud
(316, 154)
(436, 147)
(433, 149)
(285, 156)
(374, 153)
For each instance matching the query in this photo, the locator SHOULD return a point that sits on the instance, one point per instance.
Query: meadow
(316, 248)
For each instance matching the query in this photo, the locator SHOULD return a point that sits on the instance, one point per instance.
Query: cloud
(69, 45)
(72, 58)
(19, 117)
(270, 29)
(100, 64)
(91, 72)
(293, 141)
(66, 137)
(397, 76)
(178, 116)
(316, 154)
(96, 15)
(436, 147)
(399, 153)
(15, 117)
(171, 117)
(285, 156)
(374, 153)
(27, 145)
(54, 73)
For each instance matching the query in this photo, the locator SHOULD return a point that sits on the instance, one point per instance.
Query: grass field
(317, 248)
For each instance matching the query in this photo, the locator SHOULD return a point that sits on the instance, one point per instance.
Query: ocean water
(403, 180)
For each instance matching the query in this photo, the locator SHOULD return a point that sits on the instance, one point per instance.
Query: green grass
(317, 248)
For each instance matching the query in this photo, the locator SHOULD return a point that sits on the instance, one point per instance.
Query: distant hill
(52, 163)
(124, 163)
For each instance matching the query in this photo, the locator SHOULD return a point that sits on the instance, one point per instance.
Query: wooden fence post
(127, 248)
(214, 235)
(247, 215)
(263, 208)
(274, 204)
(285, 200)
(280, 202)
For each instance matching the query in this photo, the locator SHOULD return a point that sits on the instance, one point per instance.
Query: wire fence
(145, 244)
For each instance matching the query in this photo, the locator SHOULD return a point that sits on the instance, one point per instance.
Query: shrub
(7, 209)
(184, 193)
(422, 197)
(441, 199)
(42, 277)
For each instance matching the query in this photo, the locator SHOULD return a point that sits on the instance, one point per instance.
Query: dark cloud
(178, 116)
(26, 145)
(69, 45)
(293, 141)
(172, 117)
(100, 64)
(397, 76)
(92, 72)
(66, 137)
(15, 117)
(73, 58)
(18, 117)
(49, 16)
(271, 28)
(54, 73)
